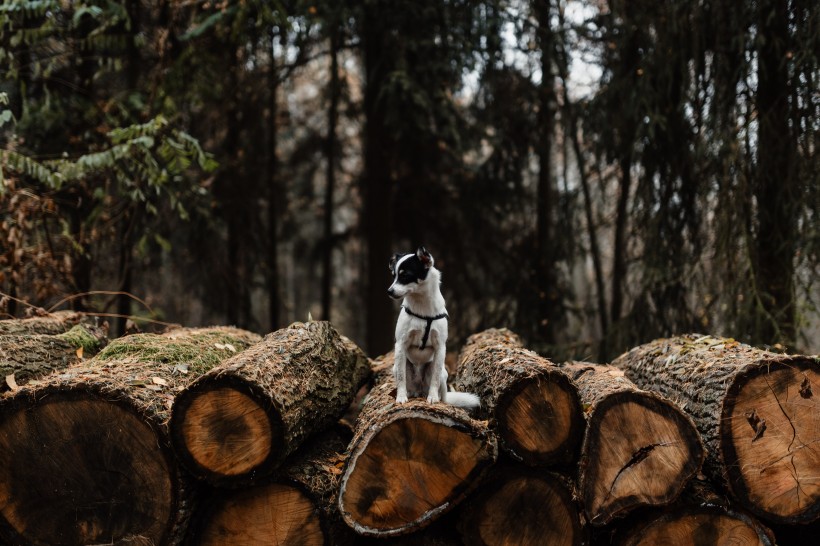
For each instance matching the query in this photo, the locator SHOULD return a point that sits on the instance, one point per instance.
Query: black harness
(429, 324)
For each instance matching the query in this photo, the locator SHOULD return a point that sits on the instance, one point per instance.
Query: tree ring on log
(413, 469)
(271, 514)
(625, 465)
(771, 430)
(226, 430)
(521, 506)
(535, 420)
(79, 469)
(699, 527)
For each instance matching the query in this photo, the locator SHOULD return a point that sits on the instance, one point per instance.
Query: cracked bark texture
(241, 420)
(24, 357)
(699, 517)
(531, 404)
(409, 464)
(297, 505)
(54, 323)
(639, 449)
(758, 413)
(521, 505)
(84, 453)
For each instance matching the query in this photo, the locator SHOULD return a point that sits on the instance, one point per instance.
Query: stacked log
(239, 421)
(700, 517)
(758, 413)
(84, 452)
(520, 505)
(50, 324)
(297, 505)
(91, 449)
(409, 464)
(624, 466)
(24, 357)
(532, 405)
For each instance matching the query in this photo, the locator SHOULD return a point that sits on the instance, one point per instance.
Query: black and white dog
(421, 332)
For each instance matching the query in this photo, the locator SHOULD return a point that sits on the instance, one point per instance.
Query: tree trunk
(532, 404)
(299, 506)
(84, 454)
(27, 357)
(410, 463)
(275, 195)
(700, 517)
(378, 181)
(239, 421)
(776, 191)
(639, 449)
(550, 308)
(331, 146)
(522, 506)
(53, 323)
(756, 411)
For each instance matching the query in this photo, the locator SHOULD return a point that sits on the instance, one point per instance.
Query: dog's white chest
(415, 353)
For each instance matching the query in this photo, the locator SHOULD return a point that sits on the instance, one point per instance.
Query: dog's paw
(433, 398)
(401, 398)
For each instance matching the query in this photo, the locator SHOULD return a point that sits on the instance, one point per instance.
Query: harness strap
(428, 326)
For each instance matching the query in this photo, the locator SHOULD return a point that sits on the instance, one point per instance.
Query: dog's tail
(464, 400)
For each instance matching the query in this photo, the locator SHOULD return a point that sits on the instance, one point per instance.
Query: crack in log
(795, 475)
(639, 456)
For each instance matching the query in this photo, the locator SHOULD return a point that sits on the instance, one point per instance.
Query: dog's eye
(401, 271)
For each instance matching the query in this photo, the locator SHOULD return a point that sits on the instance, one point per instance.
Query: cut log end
(539, 420)
(523, 509)
(223, 431)
(272, 514)
(771, 424)
(411, 470)
(79, 470)
(627, 466)
(700, 528)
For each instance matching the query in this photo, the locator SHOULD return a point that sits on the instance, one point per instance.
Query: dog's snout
(390, 291)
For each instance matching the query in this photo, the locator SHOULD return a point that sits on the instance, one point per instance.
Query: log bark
(519, 505)
(532, 405)
(758, 413)
(242, 419)
(84, 453)
(24, 357)
(410, 463)
(639, 449)
(298, 506)
(55, 323)
(700, 517)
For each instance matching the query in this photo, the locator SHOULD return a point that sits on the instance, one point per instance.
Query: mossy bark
(532, 404)
(84, 453)
(410, 463)
(639, 449)
(758, 414)
(48, 324)
(24, 357)
(298, 504)
(242, 419)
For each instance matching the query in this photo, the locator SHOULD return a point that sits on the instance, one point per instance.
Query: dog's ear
(392, 264)
(425, 257)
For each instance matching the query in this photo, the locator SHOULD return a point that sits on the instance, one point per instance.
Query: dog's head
(409, 272)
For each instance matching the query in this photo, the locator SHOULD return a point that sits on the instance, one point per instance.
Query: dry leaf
(159, 381)
(12, 383)
(227, 346)
(79, 352)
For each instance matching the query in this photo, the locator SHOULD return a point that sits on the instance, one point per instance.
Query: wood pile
(215, 436)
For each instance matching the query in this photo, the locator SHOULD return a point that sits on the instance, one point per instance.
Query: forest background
(589, 173)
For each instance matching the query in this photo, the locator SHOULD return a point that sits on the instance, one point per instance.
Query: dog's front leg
(437, 374)
(400, 372)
